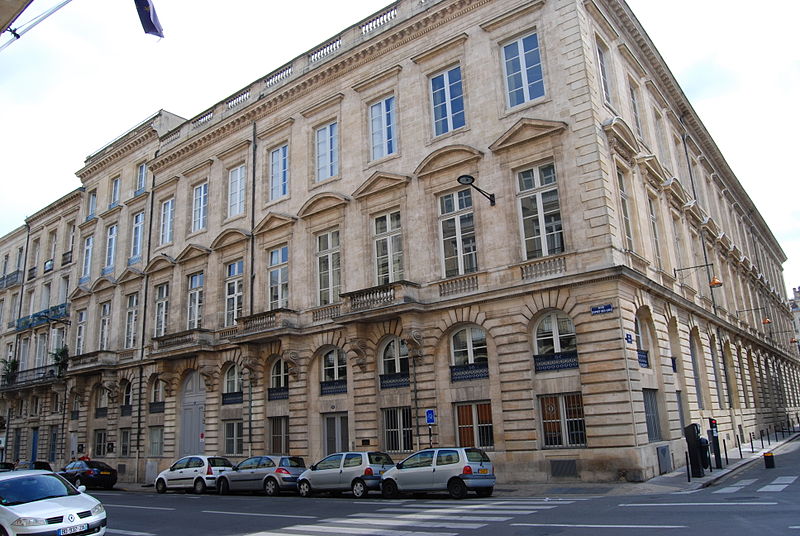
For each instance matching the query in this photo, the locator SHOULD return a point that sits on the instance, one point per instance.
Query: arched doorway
(193, 399)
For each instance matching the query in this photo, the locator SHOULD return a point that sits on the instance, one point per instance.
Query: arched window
(695, 354)
(102, 397)
(334, 365)
(233, 379)
(641, 335)
(127, 394)
(469, 346)
(157, 391)
(555, 334)
(394, 357)
(280, 374)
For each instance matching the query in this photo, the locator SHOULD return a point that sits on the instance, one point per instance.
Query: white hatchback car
(41, 502)
(197, 473)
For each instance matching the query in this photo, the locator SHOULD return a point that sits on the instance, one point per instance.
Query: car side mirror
(399, 465)
(82, 488)
(314, 467)
(235, 467)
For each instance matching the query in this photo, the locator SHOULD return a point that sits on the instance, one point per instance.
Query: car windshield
(477, 455)
(380, 458)
(292, 461)
(35, 487)
(99, 465)
(219, 462)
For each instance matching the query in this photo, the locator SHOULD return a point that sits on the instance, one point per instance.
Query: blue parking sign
(430, 416)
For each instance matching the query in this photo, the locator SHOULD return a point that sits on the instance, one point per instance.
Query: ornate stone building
(305, 267)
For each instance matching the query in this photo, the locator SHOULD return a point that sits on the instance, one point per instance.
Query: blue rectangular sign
(600, 309)
(430, 416)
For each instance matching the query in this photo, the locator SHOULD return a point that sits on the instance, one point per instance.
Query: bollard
(775, 431)
(783, 432)
(725, 448)
(739, 446)
(688, 469)
(768, 439)
(769, 460)
(752, 448)
(761, 433)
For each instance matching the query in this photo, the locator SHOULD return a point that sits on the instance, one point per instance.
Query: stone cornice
(113, 156)
(59, 206)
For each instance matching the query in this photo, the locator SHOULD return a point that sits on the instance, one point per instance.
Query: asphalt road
(756, 501)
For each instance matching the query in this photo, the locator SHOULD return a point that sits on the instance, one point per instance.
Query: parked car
(90, 473)
(272, 474)
(40, 465)
(7, 466)
(455, 469)
(35, 502)
(358, 472)
(197, 473)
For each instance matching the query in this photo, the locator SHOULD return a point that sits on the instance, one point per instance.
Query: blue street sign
(601, 309)
(628, 338)
(430, 416)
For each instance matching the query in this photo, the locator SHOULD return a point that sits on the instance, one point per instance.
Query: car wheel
(224, 487)
(360, 489)
(457, 488)
(161, 486)
(485, 492)
(199, 486)
(271, 487)
(304, 488)
(389, 489)
(3, 532)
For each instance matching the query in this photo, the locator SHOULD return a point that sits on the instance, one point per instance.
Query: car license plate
(483, 471)
(73, 530)
(105, 472)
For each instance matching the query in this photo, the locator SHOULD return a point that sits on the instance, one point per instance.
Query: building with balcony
(303, 268)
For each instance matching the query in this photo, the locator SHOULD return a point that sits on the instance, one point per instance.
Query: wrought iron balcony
(333, 387)
(278, 393)
(100, 413)
(31, 272)
(393, 381)
(156, 407)
(470, 371)
(11, 279)
(47, 373)
(232, 398)
(74, 414)
(559, 361)
(43, 317)
(644, 358)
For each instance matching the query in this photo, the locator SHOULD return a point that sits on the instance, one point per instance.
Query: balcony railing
(387, 295)
(458, 285)
(326, 312)
(31, 272)
(156, 407)
(393, 381)
(470, 371)
(66, 258)
(10, 279)
(43, 317)
(74, 414)
(232, 398)
(333, 387)
(46, 373)
(644, 358)
(543, 268)
(190, 338)
(559, 361)
(278, 393)
(91, 360)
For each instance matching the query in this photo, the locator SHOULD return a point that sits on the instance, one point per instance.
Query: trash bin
(769, 460)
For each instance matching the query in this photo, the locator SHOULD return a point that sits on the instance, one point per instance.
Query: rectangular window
(653, 213)
(327, 151)
(131, 317)
(41, 350)
(328, 269)
(388, 248)
(475, 425)
(447, 98)
(99, 443)
(236, 189)
(155, 436)
(541, 212)
(279, 434)
(111, 245)
(88, 244)
(562, 420)
(137, 233)
(141, 178)
(457, 224)
(114, 192)
(522, 63)
(381, 121)
(279, 172)
(279, 278)
(162, 309)
(105, 325)
(635, 109)
(80, 332)
(234, 437)
(2, 310)
(624, 201)
(602, 67)
(233, 292)
(167, 215)
(125, 442)
(195, 304)
(91, 204)
(397, 429)
(651, 414)
(200, 207)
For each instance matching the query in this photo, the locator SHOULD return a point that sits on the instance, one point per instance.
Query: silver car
(272, 474)
(455, 469)
(358, 472)
(197, 473)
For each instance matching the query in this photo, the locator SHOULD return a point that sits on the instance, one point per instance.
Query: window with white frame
(328, 268)
(382, 128)
(279, 278)
(195, 301)
(651, 417)
(397, 426)
(101, 397)
(555, 333)
(522, 65)
(447, 99)
(155, 436)
(200, 207)
(603, 70)
(141, 178)
(234, 437)
(2, 310)
(541, 212)
(394, 356)
(88, 245)
(111, 245)
(279, 434)
(137, 233)
(474, 425)
(131, 319)
(457, 225)
(91, 204)
(233, 380)
(388, 248)
(80, 332)
(636, 112)
(167, 217)
(626, 208)
(99, 443)
(279, 172)
(162, 309)
(469, 346)
(105, 325)
(652, 206)
(125, 442)
(158, 391)
(334, 365)
(233, 292)
(327, 143)
(127, 394)
(562, 420)
(41, 350)
(236, 190)
(279, 376)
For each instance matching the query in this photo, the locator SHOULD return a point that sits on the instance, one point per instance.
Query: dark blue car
(90, 473)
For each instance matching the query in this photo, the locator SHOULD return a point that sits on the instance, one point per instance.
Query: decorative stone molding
(358, 349)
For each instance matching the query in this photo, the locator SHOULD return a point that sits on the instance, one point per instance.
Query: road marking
(444, 517)
(139, 507)
(730, 489)
(689, 492)
(784, 480)
(745, 482)
(598, 526)
(772, 487)
(402, 521)
(703, 504)
(333, 529)
(481, 507)
(255, 514)
(128, 532)
(423, 510)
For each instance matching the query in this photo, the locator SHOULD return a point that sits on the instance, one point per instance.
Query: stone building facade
(304, 268)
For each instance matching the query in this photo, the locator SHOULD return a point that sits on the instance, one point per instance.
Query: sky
(89, 73)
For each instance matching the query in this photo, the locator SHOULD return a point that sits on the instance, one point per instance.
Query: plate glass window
(136, 236)
(233, 292)
(195, 303)
(469, 346)
(279, 278)
(457, 225)
(388, 248)
(327, 140)
(334, 365)
(279, 172)
(474, 423)
(328, 268)
(381, 120)
(236, 190)
(162, 309)
(111, 245)
(447, 98)
(200, 207)
(234, 437)
(105, 325)
(131, 317)
(141, 178)
(555, 333)
(167, 214)
(541, 212)
(395, 357)
(522, 62)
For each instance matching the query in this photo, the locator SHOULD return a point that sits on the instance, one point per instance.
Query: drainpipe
(253, 222)
(23, 276)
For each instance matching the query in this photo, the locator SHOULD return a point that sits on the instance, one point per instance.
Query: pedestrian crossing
(776, 485)
(422, 518)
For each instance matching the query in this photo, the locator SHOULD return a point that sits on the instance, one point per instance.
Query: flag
(147, 14)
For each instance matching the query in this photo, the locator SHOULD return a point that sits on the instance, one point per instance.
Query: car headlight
(29, 522)
(97, 509)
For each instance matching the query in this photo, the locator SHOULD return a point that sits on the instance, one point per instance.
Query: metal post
(710, 460)
(752, 449)
(725, 449)
(775, 431)
(688, 469)
(761, 433)
(739, 446)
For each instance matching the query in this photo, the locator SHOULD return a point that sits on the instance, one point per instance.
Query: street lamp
(469, 180)
(714, 282)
